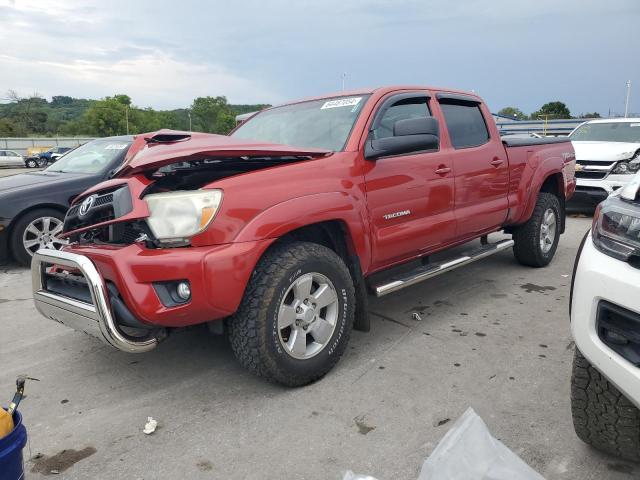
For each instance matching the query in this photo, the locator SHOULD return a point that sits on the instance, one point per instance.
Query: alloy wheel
(308, 315)
(43, 233)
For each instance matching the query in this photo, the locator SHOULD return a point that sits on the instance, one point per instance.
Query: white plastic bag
(469, 452)
(349, 475)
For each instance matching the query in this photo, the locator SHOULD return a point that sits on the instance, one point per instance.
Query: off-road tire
(18, 251)
(253, 329)
(527, 248)
(602, 416)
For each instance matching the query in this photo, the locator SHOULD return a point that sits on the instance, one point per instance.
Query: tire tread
(602, 416)
(526, 237)
(248, 331)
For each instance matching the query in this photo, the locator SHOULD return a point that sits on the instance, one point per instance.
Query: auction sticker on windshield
(342, 102)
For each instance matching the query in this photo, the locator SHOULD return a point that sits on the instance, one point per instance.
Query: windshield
(322, 123)
(608, 132)
(92, 157)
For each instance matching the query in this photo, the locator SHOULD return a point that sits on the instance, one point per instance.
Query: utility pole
(344, 78)
(126, 117)
(189, 114)
(626, 103)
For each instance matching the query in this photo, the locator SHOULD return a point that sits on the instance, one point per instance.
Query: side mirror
(409, 135)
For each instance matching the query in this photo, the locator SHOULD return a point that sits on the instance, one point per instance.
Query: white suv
(605, 324)
(607, 156)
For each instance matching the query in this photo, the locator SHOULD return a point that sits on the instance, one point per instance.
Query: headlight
(616, 229)
(628, 166)
(178, 216)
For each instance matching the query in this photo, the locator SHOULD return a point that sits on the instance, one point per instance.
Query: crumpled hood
(155, 149)
(605, 151)
(24, 181)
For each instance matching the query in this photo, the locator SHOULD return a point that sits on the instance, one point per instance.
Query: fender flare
(547, 168)
(282, 218)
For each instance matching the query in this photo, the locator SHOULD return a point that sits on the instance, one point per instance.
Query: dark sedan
(33, 204)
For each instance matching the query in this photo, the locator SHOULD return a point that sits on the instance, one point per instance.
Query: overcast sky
(164, 53)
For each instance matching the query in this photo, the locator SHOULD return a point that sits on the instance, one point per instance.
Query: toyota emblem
(86, 205)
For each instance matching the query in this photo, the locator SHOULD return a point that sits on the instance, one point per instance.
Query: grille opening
(591, 175)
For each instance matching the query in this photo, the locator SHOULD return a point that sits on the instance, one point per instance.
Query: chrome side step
(425, 272)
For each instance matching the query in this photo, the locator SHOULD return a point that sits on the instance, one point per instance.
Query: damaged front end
(154, 206)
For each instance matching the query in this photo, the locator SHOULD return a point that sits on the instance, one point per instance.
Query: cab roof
(379, 91)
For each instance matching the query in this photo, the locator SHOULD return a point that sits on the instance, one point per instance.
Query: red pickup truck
(276, 233)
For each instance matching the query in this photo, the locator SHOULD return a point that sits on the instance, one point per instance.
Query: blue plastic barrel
(11, 467)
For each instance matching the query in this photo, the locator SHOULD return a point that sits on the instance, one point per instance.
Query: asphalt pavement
(493, 335)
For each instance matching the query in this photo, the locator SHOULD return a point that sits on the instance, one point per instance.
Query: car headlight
(628, 166)
(616, 229)
(177, 216)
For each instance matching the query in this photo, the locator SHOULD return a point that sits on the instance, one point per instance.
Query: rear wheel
(537, 240)
(602, 416)
(296, 316)
(35, 230)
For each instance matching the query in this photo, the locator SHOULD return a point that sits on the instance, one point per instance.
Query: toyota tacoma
(276, 233)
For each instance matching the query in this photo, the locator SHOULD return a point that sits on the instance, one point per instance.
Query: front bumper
(600, 278)
(95, 318)
(217, 275)
(598, 190)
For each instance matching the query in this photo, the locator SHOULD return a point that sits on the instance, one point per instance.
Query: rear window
(465, 123)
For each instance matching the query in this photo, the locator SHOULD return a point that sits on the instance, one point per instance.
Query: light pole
(189, 115)
(344, 78)
(126, 117)
(626, 103)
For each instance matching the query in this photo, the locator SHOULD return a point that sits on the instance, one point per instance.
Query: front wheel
(296, 316)
(537, 240)
(35, 230)
(602, 416)
(32, 163)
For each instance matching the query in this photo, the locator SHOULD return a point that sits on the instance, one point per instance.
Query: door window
(416, 107)
(465, 123)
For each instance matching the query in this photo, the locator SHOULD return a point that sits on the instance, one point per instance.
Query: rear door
(409, 196)
(480, 165)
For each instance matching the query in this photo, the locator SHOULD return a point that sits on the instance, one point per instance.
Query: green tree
(108, 117)
(7, 128)
(513, 112)
(552, 110)
(590, 115)
(61, 100)
(212, 115)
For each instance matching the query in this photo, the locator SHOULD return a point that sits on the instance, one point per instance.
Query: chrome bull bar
(95, 319)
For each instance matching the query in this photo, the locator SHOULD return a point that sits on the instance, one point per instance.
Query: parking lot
(493, 336)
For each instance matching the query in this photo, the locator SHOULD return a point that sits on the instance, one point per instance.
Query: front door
(409, 196)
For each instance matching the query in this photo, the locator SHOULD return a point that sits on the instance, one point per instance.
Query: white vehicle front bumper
(599, 190)
(600, 277)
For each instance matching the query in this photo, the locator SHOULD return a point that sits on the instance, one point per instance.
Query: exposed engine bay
(193, 174)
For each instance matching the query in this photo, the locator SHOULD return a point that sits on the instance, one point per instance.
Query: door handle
(497, 162)
(442, 170)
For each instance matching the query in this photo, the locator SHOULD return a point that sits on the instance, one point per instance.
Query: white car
(605, 324)
(607, 154)
(9, 158)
